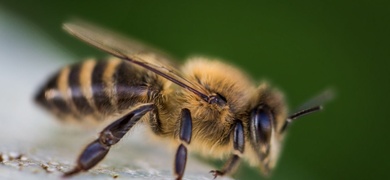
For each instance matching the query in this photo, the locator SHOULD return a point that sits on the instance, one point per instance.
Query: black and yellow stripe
(98, 89)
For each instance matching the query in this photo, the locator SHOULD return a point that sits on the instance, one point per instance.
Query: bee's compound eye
(264, 121)
(261, 124)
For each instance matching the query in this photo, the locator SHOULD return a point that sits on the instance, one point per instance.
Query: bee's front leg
(111, 135)
(238, 144)
(185, 134)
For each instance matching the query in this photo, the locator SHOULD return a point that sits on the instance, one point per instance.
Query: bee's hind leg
(111, 135)
(185, 134)
(239, 144)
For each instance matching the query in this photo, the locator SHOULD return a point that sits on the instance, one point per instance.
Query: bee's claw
(71, 173)
(217, 173)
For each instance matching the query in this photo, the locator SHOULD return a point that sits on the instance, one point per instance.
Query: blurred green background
(302, 47)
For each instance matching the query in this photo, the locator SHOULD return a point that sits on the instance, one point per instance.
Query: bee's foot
(71, 173)
(217, 173)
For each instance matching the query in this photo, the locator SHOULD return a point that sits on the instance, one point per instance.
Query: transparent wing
(133, 51)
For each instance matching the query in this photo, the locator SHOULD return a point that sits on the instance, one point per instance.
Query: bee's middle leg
(238, 144)
(185, 134)
(111, 135)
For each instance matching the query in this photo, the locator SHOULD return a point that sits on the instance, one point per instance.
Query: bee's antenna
(299, 114)
(303, 112)
(311, 106)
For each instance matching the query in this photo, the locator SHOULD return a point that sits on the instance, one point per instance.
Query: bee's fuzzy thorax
(219, 77)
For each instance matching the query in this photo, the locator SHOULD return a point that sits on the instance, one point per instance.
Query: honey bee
(205, 105)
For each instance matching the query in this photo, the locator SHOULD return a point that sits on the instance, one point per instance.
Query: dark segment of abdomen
(98, 88)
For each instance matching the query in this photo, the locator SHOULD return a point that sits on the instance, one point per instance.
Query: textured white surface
(33, 145)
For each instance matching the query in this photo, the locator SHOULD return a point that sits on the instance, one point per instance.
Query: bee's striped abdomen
(57, 102)
(98, 89)
(79, 88)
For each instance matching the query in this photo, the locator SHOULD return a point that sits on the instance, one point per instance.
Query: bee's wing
(130, 50)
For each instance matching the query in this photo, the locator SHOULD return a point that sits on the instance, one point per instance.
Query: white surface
(48, 148)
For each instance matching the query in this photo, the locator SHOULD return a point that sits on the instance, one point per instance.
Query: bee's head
(267, 118)
(269, 121)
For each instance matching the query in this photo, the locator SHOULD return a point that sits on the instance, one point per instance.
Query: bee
(205, 105)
